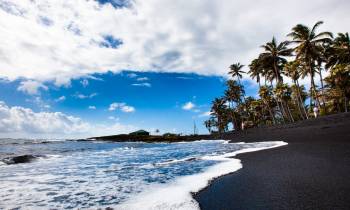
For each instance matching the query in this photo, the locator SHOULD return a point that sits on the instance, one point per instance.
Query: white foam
(177, 194)
(202, 141)
(168, 162)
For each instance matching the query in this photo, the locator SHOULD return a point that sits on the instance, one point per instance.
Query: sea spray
(91, 175)
(178, 193)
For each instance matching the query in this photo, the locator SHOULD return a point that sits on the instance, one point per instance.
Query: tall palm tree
(258, 112)
(218, 110)
(255, 70)
(292, 70)
(339, 79)
(209, 124)
(283, 94)
(265, 93)
(274, 57)
(307, 49)
(236, 71)
(339, 51)
(234, 94)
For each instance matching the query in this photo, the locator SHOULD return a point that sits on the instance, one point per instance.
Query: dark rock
(19, 159)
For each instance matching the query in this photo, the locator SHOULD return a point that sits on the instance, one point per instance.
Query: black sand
(312, 172)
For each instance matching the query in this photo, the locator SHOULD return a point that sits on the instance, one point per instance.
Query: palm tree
(255, 70)
(308, 50)
(258, 112)
(236, 71)
(272, 60)
(234, 94)
(273, 57)
(339, 51)
(209, 124)
(292, 70)
(283, 95)
(265, 93)
(339, 79)
(249, 109)
(218, 110)
(299, 93)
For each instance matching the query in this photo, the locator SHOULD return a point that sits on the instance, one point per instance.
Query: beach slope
(312, 172)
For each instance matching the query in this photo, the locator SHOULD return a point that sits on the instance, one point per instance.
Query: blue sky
(58, 58)
(155, 100)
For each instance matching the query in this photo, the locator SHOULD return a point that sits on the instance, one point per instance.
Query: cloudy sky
(80, 68)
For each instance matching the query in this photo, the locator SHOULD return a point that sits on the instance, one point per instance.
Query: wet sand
(312, 172)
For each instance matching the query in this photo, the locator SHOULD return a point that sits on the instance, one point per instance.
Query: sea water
(97, 175)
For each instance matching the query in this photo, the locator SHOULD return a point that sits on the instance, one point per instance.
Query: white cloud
(39, 102)
(127, 109)
(70, 45)
(142, 79)
(84, 82)
(144, 84)
(113, 106)
(205, 114)
(131, 75)
(20, 122)
(47, 106)
(19, 119)
(185, 78)
(188, 106)
(113, 129)
(82, 96)
(59, 99)
(113, 118)
(121, 106)
(31, 87)
(92, 107)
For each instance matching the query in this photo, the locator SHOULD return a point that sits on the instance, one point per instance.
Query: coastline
(181, 189)
(154, 139)
(311, 172)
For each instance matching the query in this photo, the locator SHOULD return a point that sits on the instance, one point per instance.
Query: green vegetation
(308, 53)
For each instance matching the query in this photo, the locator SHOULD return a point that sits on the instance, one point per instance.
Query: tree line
(307, 54)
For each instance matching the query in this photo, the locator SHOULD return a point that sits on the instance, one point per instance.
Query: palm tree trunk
(290, 113)
(219, 124)
(301, 101)
(282, 110)
(315, 93)
(322, 90)
(313, 86)
(299, 108)
(298, 101)
(276, 72)
(310, 101)
(271, 113)
(311, 83)
(286, 110)
(234, 120)
(239, 82)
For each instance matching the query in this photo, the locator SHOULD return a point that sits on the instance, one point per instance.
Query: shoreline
(158, 197)
(153, 138)
(311, 172)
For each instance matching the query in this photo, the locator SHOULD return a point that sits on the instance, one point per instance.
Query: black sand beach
(312, 172)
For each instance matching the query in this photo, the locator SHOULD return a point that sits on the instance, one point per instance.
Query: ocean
(130, 175)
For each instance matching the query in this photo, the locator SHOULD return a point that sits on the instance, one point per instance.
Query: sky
(79, 68)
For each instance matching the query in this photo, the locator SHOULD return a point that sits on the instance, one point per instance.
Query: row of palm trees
(307, 54)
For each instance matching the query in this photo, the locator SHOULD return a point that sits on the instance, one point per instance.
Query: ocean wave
(120, 175)
(168, 162)
(178, 194)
